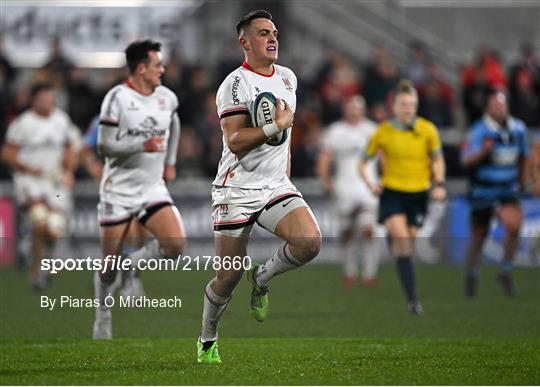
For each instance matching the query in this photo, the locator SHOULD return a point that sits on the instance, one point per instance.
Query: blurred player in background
(345, 142)
(128, 281)
(39, 150)
(411, 154)
(252, 183)
(496, 154)
(138, 136)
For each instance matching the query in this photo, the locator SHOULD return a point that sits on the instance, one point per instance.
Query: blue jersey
(91, 135)
(498, 174)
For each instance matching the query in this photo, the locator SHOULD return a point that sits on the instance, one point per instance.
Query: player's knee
(37, 214)
(309, 247)
(56, 224)
(513, 227)
(174, 247)
(107, 276)
(367, 232)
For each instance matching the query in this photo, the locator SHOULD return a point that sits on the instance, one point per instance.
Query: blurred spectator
(82, 101)
(231, 60)
(418, 63)
(339, 83)
(195, 91)
(436, 99)
(379, 112)
(209, 135)
(524, 101)
(175, 75)
(525, 87)
(380, 78)
(305, 143)
(7, 76)
(58, 63)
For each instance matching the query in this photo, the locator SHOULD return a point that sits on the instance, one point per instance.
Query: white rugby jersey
(347, 143)
(266, 165)
(128, 119)
(41, 141)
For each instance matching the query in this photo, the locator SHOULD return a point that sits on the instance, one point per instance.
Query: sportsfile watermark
(117, 262)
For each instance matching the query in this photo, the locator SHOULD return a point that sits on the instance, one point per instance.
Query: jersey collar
(247, 66)
(400, 126)
(130, 84)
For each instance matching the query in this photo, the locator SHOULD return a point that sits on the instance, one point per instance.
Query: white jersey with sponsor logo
(128, 119)
(347, 143)
(266, 165)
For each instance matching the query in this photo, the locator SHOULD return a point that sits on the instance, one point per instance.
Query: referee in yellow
(410, 152)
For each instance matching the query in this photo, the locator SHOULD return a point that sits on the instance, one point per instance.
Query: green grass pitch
(317, 333)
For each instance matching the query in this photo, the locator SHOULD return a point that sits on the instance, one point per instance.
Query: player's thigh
(232, 248)
(167, 226)
(511, 216)
(137, 234)
(298, 224)
(112, 237)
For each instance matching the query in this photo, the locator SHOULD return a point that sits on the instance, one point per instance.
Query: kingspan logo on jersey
(146, 129)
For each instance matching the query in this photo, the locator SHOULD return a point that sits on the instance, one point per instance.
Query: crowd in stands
(319, 98)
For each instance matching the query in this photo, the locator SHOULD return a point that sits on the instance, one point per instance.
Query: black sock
(406, 276)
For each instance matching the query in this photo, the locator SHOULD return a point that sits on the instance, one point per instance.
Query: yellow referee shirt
(406, 154)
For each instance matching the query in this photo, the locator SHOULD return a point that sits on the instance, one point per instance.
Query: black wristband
(439, 184)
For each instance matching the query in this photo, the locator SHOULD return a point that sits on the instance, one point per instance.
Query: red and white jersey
(347, 144)
(128, 119)
(266, 165)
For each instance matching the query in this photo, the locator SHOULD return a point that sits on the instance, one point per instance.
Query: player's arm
(90, 163)
(289, 161)
(534, 167)
(242, 138)
(477, 149)
(172, 149)
(438, 166)
(324, 163)
(9, 156)
(370, 153)
(109, 146)
(523, 161)
(438, 171)
(69, 164)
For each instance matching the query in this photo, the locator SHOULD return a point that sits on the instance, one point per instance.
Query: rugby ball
(263, 111)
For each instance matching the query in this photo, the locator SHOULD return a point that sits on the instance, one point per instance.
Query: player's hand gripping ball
(263, 111)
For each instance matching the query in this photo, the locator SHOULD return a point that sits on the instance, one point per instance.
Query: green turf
(317, 333)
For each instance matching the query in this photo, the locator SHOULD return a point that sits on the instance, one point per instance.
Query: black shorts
(412, 204)
(481, 217)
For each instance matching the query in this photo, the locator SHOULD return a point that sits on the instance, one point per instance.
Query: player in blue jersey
(495, 154)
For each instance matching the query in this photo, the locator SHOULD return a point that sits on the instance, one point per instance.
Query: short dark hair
(38, 88)
(248, 17)
(137, 52)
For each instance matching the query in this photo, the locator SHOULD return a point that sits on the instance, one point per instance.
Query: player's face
(353, 109)
(497, 107)
(43, 102)
(405, 107)
(153, 69)
(261, 40)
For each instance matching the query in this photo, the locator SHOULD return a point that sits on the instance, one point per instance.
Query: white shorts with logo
(235, 210)
(33, 189)
(113, 210)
